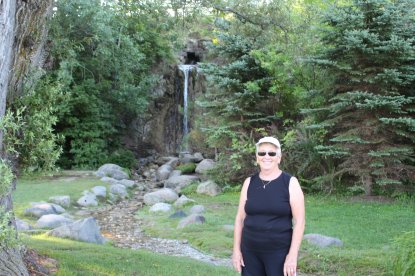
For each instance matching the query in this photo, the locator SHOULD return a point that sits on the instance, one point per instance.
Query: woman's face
(267, 162)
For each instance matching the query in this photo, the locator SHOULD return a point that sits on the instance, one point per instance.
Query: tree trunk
(22, 38)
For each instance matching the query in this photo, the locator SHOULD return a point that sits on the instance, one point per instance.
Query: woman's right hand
(237, 260)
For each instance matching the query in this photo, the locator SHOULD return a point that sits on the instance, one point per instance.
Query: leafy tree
(369, 113)
(103, 53)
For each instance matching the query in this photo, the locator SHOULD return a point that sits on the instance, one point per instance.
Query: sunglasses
(270, 153)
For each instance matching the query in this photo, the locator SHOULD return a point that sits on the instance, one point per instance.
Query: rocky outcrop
(86, 230)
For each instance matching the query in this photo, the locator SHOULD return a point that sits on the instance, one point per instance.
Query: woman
(269, 224)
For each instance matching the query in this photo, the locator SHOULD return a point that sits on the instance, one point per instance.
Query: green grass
(79, 258)
(366, 228)
(40, 188)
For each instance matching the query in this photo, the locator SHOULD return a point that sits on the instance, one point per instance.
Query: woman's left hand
(290, 265)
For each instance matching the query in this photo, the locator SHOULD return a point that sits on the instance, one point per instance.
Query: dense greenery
(334, 82)
(102, 56)
(369, 112)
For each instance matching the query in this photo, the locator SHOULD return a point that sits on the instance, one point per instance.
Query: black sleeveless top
(268, 221)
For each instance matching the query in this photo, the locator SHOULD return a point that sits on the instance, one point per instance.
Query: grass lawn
(40, 188)
(366, 228)
(79, 258)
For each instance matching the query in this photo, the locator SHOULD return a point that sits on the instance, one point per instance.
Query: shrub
(187, 168)
(123, 157)
(404, 261)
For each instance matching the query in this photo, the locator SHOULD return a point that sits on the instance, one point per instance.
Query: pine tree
(369, 116)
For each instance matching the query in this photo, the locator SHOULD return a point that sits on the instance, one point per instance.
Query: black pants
(263, 263)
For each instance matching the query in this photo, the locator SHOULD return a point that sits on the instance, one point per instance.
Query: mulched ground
(39, 265)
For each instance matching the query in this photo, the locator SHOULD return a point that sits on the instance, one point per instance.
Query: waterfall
(185, 68)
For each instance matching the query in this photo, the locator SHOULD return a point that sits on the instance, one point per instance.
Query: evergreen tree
(369, 115)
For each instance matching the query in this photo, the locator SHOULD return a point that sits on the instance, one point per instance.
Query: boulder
(163, 172)
(111, 170)
(191, 219)
(86, 230)
(322, 241)
(175, 173)
(162, 195)
(22, 225)
(109, 180)
(119, 190)
(173, 162)
(52, 221)
(178, 182)
(186, 157)
(87, 200)
(63, 200)
(209, 188)
(205, 165)
(198, 157)
(182, 201)
(127, 183)
(197, 209)
(178, 214)
(99, 191)
(161, 207)
(39, 209)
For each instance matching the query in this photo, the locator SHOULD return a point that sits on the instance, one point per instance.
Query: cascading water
(185, 68)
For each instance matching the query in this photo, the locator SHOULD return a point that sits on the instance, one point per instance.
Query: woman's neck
(270, 174)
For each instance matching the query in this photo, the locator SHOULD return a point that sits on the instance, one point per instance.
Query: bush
(187, 168)
(123, 157)
(404, 261)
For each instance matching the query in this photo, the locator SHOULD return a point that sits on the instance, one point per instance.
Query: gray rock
(109, 180)
(173, 162)
(182, 201)
(178, 214)
(86, 230)
(87, 200)
(209, 188)
(186, 157)
(161, 207)
(178, 182)
(52, 221)
(163, 172)
(175, 173)
(39, 209)
(119, 190)
(99, 191)
(162, 195)
(205, 165)
(22, 225)
(64, 200)
(127, 183)
(322, 241)
(191, 219)
(198, 157)
(197, 209)
(111, 170)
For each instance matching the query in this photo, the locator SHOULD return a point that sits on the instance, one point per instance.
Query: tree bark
(22, 39)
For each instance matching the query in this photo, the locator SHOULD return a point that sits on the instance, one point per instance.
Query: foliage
(258, 81)
(187, 168)
(8, 235)
(36, 115)
(404, 261)
(104, 67)
(6, 178)
(123, 157)
(368, 115)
